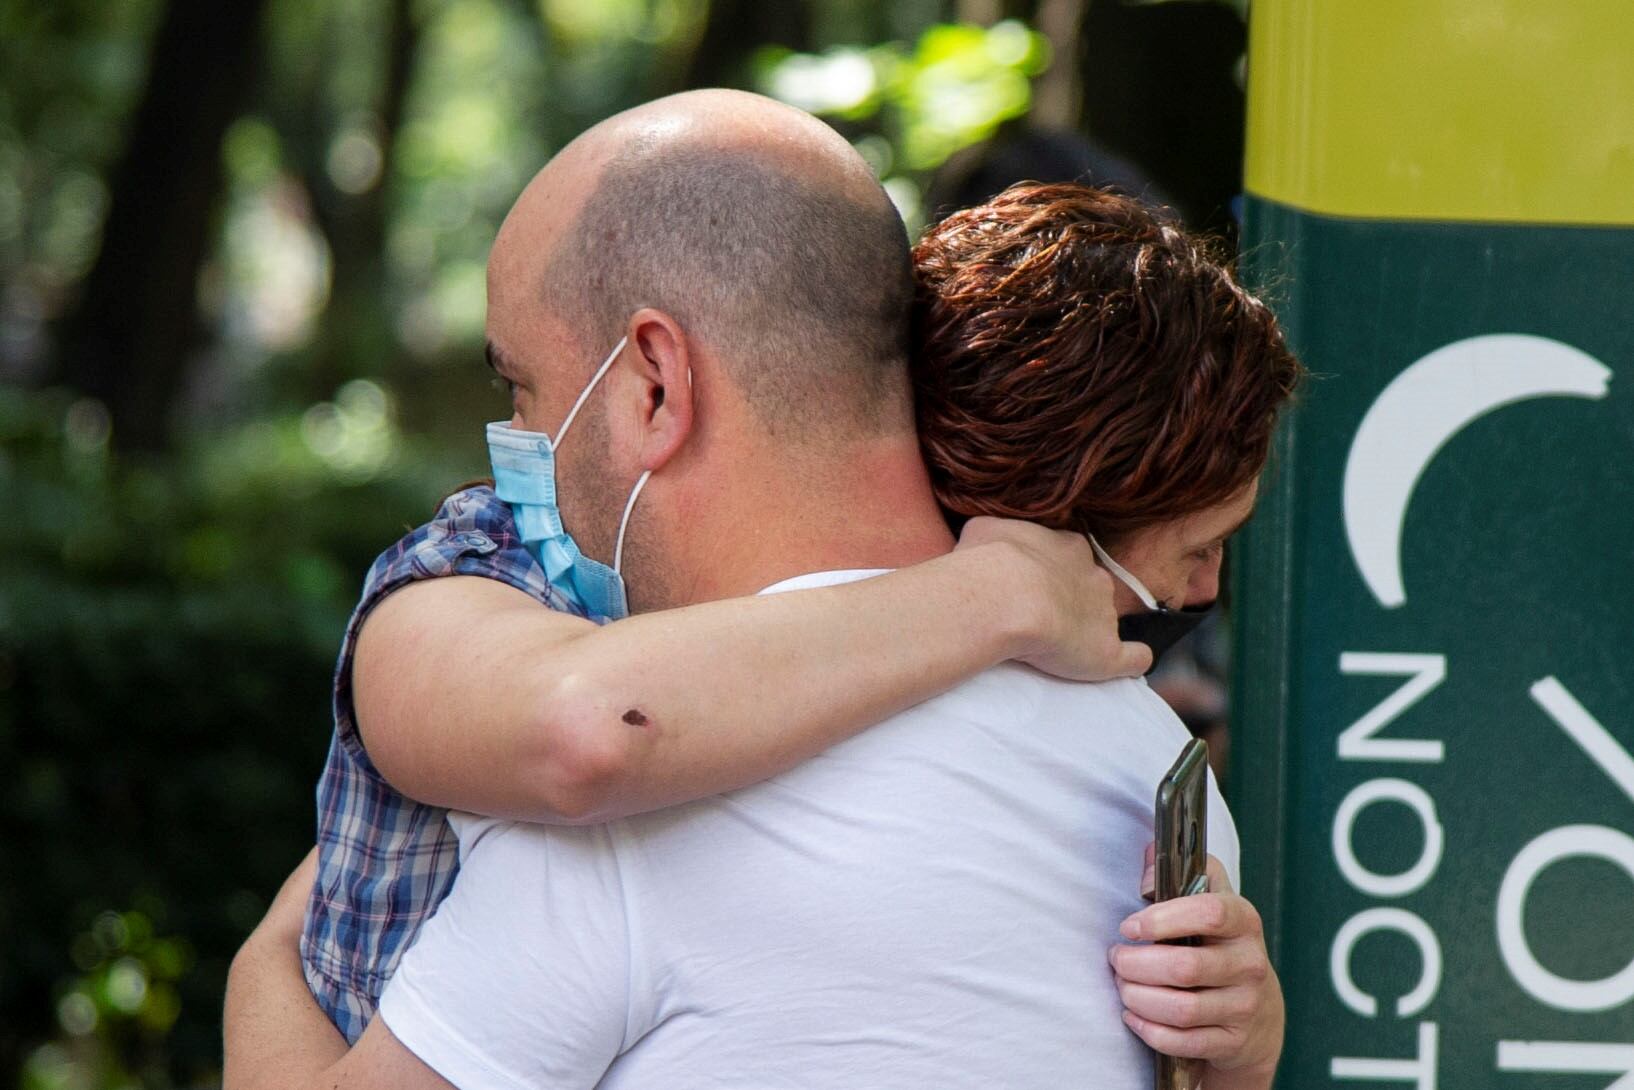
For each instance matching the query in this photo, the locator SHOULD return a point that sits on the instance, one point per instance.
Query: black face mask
(1158, 627)
(1161, 629)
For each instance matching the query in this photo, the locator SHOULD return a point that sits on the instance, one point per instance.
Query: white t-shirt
(927, 905)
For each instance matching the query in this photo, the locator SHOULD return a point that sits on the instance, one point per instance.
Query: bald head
(757, 227)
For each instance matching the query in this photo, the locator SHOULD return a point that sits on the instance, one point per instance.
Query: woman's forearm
(472, 696)
(668, 707)
(274, 1033)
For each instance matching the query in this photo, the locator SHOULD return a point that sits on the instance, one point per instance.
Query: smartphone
(1181, 827)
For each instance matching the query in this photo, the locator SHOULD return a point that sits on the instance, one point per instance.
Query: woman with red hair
(1083, 362)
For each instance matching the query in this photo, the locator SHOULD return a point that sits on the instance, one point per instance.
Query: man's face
(545, 368)
(1179, 561)
(531, 348)
(588, 495)
(527, 348)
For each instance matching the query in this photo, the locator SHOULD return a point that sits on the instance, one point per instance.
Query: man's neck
(874, 511)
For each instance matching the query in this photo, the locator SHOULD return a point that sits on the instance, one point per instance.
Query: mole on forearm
(635, 718)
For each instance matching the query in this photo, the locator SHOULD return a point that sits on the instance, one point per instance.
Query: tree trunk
(356, 337)
(1160, 86)
(1058, 94)
(980, 12)
(130, 338)
(736, 28)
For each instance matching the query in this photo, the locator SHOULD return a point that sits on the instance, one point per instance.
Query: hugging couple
(776, 718)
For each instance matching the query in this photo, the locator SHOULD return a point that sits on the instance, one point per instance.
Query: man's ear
(663, 363)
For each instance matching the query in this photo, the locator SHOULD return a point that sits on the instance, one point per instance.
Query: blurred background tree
(241, 304)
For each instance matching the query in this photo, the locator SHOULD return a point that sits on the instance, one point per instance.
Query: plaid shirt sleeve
(473, 533)
(385, 861)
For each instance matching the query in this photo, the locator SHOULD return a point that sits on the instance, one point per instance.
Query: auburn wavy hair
(1082, 361)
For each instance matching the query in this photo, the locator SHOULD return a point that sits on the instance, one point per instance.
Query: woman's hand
(1072, 627)
(1219, 1001)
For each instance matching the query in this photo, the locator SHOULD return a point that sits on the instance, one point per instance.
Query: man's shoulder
(1014, 690)
(505, 845)
(473, 533)
(1116, 724)
(1126, 702)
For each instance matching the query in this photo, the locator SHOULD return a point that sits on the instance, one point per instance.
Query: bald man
(750, 431)
(732, 261)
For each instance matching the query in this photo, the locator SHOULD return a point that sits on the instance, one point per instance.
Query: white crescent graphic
(1424, 407)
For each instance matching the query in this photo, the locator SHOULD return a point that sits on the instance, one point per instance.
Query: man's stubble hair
(801, 289)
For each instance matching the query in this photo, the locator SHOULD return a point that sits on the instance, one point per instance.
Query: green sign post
(1434, 757)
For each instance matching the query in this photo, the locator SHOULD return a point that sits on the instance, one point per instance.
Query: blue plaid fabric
(385, 862)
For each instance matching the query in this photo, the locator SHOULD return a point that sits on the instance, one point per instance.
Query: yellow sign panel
(1496, 110)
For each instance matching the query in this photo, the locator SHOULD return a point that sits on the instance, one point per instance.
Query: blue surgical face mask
(524, 464)
(1159, 627)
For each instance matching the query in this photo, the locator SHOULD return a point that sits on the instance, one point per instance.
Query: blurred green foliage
(73, 71)
(167, 635)
(119, 1009)
(911, 107)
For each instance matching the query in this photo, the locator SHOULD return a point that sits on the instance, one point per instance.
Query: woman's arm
(1219, 1001)
(270, 1015)
(275, 1037)
(471, 695)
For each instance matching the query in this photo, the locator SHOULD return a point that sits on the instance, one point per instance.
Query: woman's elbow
(586, 750)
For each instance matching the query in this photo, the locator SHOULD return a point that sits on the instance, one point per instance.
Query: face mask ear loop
(624, 523)
(1122, 573)
(585, 396)
(629, 505)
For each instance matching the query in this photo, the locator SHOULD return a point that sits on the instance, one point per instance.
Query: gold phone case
(1181, 826)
